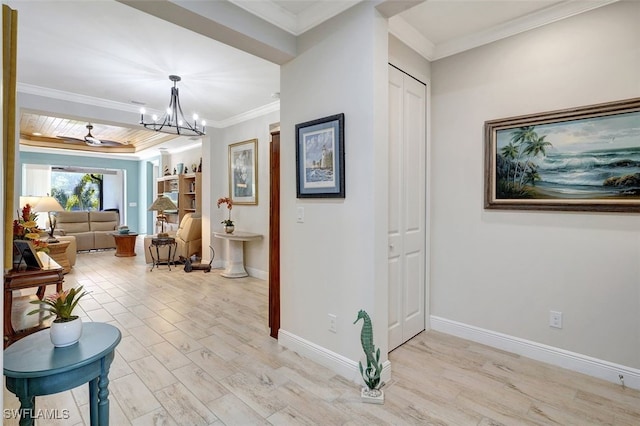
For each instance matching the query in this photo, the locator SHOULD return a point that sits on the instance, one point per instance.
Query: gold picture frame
(243, 172)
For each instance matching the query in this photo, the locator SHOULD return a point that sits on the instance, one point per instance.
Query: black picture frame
(26, 256)
(320, 158)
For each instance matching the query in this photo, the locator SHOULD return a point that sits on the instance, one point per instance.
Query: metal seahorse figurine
(371, 374)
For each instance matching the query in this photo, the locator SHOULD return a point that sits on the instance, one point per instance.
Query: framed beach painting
(580, 159)
(320, 158)
(243, 172)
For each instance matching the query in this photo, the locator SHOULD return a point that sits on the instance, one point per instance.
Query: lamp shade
(47, 204)
(162, 203)
(31, 200)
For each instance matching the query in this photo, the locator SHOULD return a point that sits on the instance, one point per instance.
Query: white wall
(335, 262)
(249, 218)
(504, 271)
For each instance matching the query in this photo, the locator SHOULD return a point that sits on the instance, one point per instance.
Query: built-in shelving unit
(184, 190)
(188, 199)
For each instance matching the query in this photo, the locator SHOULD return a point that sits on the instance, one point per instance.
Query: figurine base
(372, 396)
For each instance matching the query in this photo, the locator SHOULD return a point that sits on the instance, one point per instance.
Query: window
(76, 190)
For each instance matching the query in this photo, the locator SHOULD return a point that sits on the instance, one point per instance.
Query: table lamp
(161, 204)
(49, 204)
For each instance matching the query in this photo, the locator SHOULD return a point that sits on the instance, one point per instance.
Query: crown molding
(322, 11)
(254, 113)
(412, 38)
(89, 100)
(408, 34)
(319, 12)
(534, 20)
(270, 12)
(76, 98)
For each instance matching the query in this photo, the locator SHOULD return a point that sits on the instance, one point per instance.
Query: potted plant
(228, 223)
(66, 328)
(371, 374)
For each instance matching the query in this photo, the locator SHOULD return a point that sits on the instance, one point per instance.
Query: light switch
(133, 204)
(300, 218)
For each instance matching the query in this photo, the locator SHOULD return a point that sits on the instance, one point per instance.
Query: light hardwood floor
(196, 351)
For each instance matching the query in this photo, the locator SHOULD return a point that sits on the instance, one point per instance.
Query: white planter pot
(372, 396)
(65, 333)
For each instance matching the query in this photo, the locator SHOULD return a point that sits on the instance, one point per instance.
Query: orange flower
(227, 201)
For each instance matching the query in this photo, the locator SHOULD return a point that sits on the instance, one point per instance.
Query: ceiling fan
(91, 140)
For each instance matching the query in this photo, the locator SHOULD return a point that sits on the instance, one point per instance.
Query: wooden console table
(235, 252)
(50, 274)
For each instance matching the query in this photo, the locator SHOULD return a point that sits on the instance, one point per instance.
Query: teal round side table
(34, 367)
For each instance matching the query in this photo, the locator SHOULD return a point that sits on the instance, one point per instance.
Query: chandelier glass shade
(173, 121)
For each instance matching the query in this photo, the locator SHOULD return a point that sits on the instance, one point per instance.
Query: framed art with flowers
(243, 172)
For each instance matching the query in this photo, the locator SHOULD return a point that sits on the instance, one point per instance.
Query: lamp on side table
(161, 204)
(49, 204)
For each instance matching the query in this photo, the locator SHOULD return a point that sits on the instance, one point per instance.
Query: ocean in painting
(582, 173)
(579, 156)
(316, 174)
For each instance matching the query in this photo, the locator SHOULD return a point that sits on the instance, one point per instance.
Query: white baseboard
(253, 272)
(551, 355)
(257, 273)
(337, 363)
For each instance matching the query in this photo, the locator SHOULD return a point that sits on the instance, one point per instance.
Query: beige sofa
(91, 229)
(188, 239)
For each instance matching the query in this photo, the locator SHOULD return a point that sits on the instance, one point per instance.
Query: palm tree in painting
(521, 137)
(525, 144)
(537, 145)
(509, 152)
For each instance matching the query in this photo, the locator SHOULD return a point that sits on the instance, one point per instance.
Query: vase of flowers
(66, 328)
(26, 228)
(228, 223)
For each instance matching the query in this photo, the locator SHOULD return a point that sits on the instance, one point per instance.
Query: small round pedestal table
(235, 252)
(125, 244)
(34, 367)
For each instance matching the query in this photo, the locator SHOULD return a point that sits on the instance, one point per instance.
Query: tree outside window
(77, 191)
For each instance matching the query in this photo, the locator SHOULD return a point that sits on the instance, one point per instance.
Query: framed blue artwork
(320, 158)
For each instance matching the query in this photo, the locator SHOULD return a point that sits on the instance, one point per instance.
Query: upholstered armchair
(188, 238)
(189, 235)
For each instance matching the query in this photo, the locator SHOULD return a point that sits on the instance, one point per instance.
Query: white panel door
(407, 200)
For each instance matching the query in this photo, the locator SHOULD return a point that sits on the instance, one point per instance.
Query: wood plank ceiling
(46, 131)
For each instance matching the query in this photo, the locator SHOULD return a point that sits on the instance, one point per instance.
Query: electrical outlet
(555, 319)
(332, 323)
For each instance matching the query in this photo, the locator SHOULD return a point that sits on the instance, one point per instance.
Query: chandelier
(173, 121)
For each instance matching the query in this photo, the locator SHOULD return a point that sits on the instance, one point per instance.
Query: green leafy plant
(60, 305)
(370, 374)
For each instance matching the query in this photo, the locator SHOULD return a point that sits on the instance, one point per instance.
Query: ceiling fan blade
(91, 141)
(113, 143)
(68, 139)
